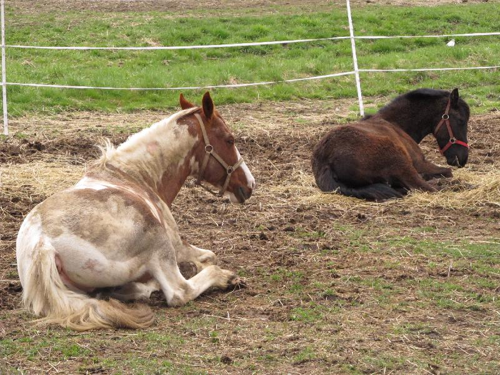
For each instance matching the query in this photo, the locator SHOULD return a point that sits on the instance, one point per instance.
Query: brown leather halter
(209, 151)
(445, 119)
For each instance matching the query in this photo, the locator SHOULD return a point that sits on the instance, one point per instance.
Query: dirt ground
(262, 6)
(334, 283)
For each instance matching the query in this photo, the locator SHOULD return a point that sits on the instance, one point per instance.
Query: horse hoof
(236, 283)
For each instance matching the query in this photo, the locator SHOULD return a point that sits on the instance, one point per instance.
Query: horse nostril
(244, 193)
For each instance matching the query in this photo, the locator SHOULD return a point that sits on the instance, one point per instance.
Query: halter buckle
(445, 116)
(229, 170)
(209, 149)
(453, 140)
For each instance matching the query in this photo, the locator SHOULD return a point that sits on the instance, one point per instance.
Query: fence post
(355, 60)
(4, 72)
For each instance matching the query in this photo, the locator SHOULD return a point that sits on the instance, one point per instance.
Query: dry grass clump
(46, 177)
(467, 189)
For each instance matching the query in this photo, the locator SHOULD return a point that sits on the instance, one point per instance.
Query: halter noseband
(209, 151)
(445, 119)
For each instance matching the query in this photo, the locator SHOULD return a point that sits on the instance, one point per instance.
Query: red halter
(445, 119)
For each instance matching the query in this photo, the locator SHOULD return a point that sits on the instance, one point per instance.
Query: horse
(378, 158)
(114, 231)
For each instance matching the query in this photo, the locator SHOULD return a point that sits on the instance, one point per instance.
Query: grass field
(334, 285)
(244, 65)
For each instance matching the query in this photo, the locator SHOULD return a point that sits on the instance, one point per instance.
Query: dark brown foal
(378, 158)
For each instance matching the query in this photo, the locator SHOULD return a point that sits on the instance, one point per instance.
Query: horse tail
(327, 181)
(45, 294)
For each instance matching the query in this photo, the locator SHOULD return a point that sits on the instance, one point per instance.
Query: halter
(209, 151)
(445, 119)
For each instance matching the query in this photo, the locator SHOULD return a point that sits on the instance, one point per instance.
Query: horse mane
(426, 93)
(419, 94)
(108, 150)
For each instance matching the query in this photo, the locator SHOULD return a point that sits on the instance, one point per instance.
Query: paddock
(334, 284)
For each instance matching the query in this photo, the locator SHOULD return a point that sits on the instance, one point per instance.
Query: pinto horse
(114, 229)
(378, 158)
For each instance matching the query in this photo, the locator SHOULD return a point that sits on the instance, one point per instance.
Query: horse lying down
(378, 158)
(114, 228)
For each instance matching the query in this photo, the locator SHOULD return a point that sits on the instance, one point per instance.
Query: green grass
(247, 64)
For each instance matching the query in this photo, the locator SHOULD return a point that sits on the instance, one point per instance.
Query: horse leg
(429, 170)
(425, 168)
(411, 179)
(178, 291)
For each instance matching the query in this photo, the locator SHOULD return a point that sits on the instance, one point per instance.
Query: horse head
(220, 162)
(451, 131)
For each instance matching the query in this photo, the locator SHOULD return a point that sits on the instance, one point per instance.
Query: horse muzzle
(243, 193)
(458, 160)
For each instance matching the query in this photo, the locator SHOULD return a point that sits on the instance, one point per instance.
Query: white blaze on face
(248, 174)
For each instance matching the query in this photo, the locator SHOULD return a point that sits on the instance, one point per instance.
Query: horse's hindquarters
(88, 268)
(47, 295)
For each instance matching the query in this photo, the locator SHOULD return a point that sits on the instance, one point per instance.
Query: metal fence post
(4, 72)
(355, 60)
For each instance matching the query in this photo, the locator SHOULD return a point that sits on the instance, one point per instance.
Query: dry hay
(45, 178)
(465, 190)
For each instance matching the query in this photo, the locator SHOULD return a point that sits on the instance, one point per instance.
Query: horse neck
(416, 120)
(161, 157)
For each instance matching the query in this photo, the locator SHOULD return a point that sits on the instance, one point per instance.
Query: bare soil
(244, 6)
(314, 263)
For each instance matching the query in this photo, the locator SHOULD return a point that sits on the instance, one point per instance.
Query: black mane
(420, 93)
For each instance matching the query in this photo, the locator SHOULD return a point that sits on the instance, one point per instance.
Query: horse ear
(454, 98)
(208, 106)
(184, 103)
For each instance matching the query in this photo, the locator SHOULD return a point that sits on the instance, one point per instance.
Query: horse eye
(230, 141)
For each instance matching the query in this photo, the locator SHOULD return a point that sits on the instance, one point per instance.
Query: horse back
(117, 220)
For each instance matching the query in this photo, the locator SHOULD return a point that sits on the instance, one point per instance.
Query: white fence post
(4, 73)
(355, 60)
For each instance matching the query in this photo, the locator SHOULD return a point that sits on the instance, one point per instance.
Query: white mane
(109, 152)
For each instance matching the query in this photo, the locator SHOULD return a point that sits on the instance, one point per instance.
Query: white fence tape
(428, 69)
(253, 44)
(427, 36)
(236, 85)
(182, 88)
(204, 46)
(352, 37)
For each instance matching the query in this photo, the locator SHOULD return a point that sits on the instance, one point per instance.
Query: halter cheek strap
(445, 119)
(209, 151)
